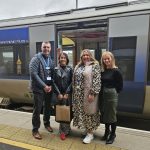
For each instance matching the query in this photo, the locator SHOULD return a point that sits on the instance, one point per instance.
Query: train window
(124, 50)
(6, 61)
(38, 47)
(14, 61)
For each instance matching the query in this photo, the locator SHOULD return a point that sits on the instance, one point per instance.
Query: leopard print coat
(81, 119)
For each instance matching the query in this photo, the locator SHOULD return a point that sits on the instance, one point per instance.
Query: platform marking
(21, 145)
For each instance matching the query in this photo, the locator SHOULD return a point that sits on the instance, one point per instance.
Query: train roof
(103, 12)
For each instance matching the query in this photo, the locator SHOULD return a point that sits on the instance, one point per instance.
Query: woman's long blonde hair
(92, 59)
(103, 66)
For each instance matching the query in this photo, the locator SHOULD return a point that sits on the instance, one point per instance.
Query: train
(122, 28)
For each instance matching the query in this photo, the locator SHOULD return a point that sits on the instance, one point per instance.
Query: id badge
(49, 78)
(47, 68)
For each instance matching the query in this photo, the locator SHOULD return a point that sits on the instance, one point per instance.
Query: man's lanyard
(47, 64)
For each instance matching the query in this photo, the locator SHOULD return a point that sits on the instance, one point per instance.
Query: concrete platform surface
(16, 126)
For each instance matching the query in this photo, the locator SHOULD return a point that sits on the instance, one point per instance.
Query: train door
(74, 37)
(128, 41)
(146, 110)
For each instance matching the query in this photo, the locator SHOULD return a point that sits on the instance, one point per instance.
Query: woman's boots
(111, 139)
(112, 136)
(107, 132)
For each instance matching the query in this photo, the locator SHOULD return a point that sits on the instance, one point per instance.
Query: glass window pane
(14, 61)
(124, 50)
(6, 60)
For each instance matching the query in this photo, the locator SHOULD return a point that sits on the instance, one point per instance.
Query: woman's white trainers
(89, 137)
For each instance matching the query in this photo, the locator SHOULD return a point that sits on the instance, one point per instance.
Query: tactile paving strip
(50, 140)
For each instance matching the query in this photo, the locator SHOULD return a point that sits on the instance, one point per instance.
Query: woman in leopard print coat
(86, 86)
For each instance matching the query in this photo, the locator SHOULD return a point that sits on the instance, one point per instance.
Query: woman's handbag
(63, 114)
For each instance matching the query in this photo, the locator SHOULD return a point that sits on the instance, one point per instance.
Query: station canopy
(10, 9)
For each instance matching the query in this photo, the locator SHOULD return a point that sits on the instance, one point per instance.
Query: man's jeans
(41, 100)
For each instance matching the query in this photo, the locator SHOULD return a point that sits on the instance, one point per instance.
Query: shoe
(89, 137)
(62, 136)
(111, 139)
(106, 135)
(37, 135)
(49, 128)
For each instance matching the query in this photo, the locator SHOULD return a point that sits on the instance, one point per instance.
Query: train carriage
(122, 28)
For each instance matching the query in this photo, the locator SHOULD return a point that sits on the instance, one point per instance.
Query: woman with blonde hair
(112, 84)
(86, 87)
(113, 63)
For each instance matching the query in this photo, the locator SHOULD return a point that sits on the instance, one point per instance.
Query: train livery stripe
(21, 145)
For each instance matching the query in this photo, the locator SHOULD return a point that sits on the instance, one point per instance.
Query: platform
(15, 130)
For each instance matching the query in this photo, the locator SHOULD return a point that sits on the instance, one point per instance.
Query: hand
(47, 89)
(91, 98)
(66, 96)
(60, 97)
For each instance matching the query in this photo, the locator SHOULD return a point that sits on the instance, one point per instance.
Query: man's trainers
(89, 137)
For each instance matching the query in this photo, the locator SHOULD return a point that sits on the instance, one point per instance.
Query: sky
(23, 8)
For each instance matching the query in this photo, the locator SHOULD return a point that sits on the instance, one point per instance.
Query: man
(41, 69)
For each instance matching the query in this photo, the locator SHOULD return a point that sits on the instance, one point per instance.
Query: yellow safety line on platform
(21, 145)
